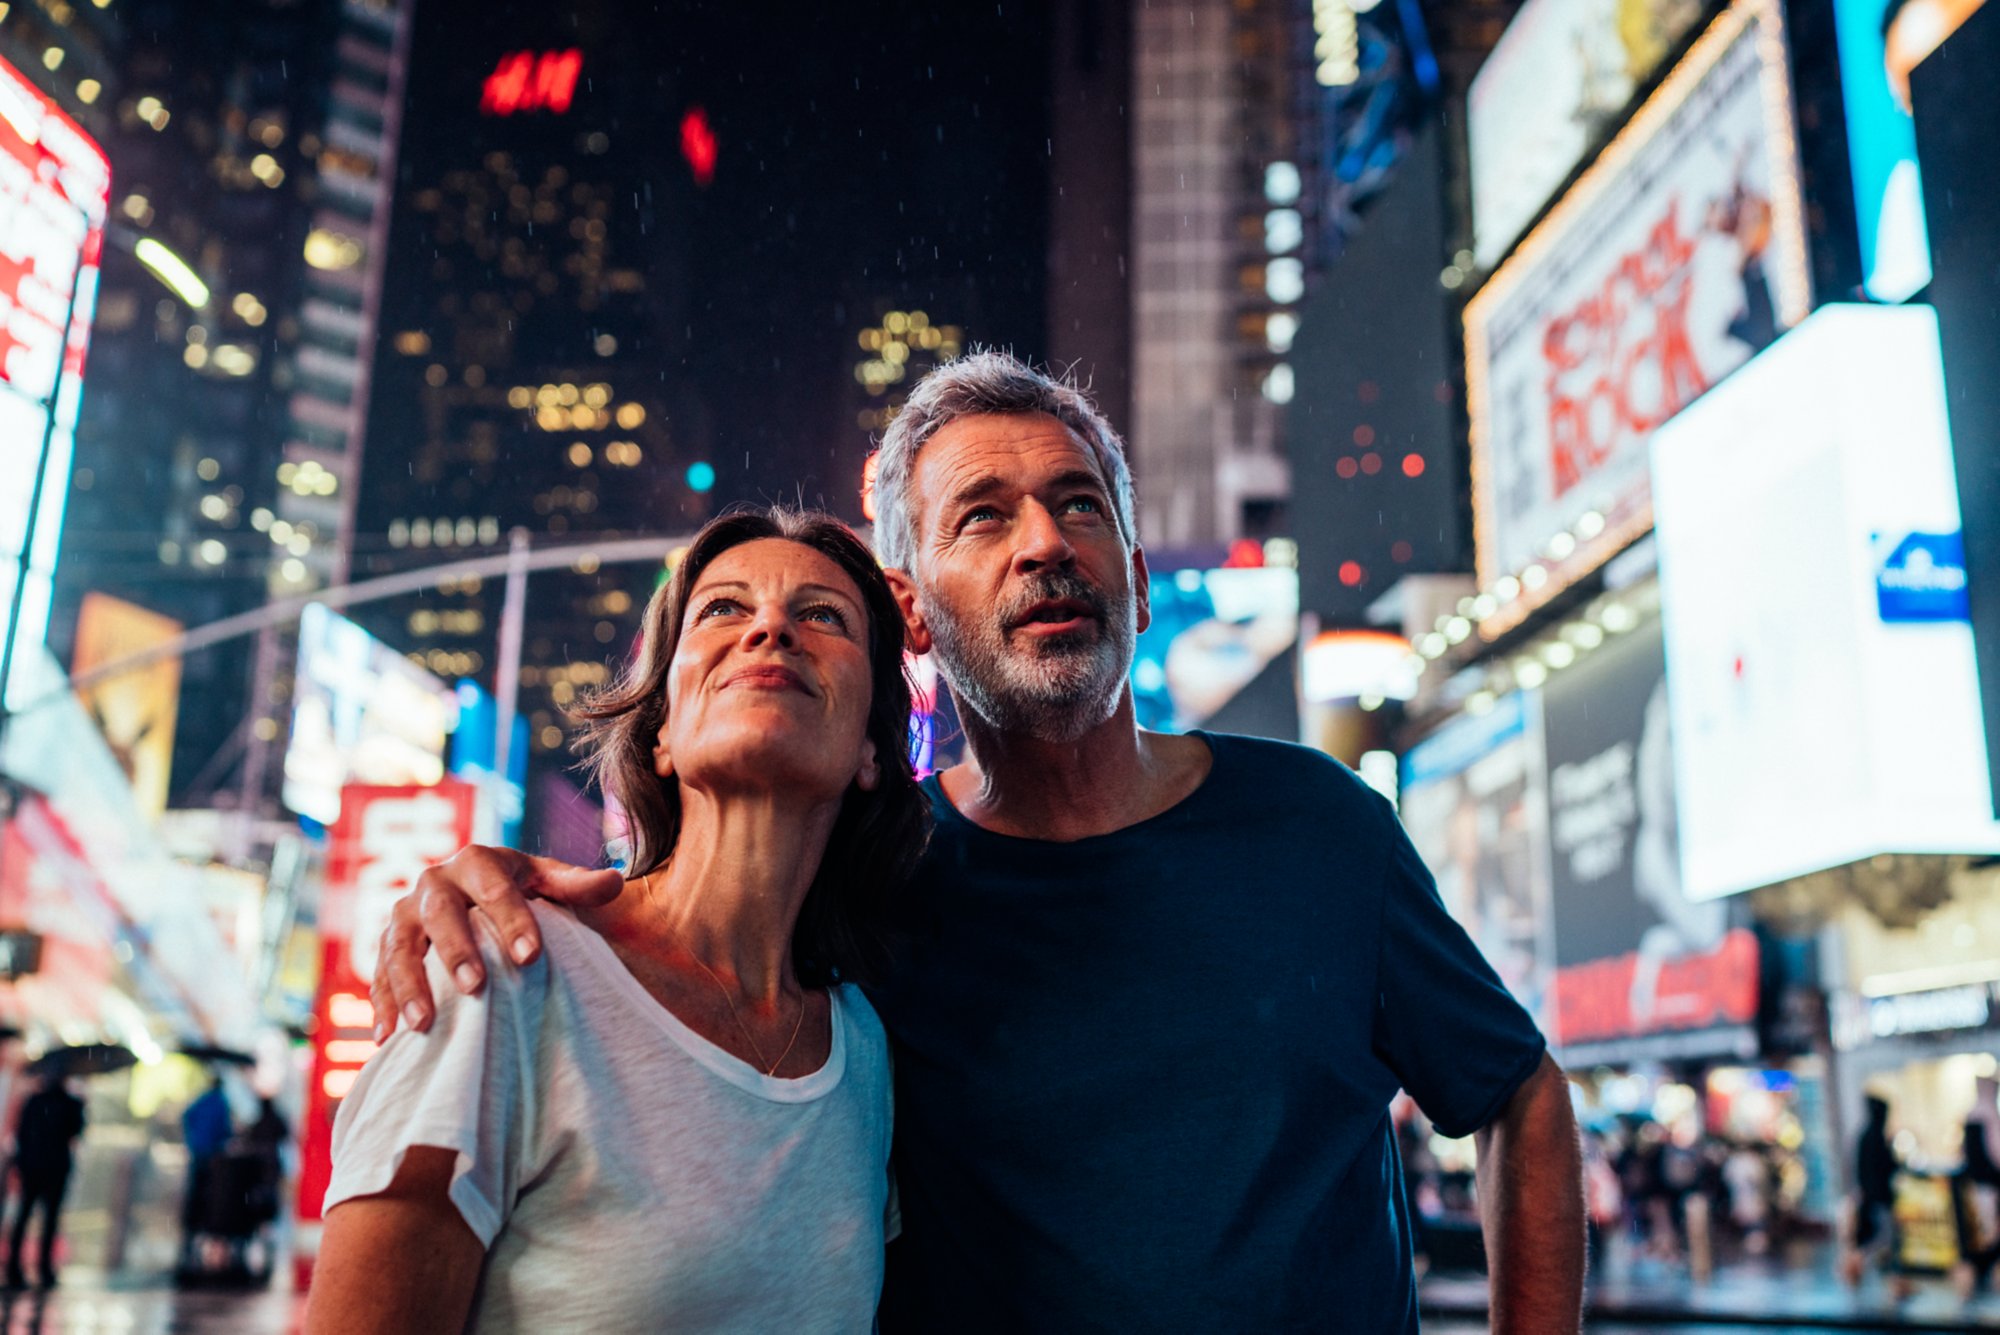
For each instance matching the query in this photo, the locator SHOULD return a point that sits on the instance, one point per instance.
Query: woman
(679, 1116)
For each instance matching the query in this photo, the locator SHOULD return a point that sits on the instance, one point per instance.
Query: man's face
(1023, 583)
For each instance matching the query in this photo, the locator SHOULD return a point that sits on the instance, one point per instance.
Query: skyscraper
(531, 371)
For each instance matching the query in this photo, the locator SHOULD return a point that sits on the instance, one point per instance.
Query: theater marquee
(1678, 255)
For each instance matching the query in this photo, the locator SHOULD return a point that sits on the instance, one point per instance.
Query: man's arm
(497, 881)
(1531, 1203)
(402, 1260)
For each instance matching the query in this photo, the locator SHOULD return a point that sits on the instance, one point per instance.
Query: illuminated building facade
(528, 373)
(224, 126)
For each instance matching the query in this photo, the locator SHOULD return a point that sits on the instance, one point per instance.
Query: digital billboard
(1882, 154)
(1813, 581)
(1641, 968)
(1473, 800)
(1558, 80)
(1213, 633)
(1674, 259)
(54, 188)
(361, 713)
(137, 708)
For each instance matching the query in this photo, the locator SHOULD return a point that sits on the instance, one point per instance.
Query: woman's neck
(731, 892)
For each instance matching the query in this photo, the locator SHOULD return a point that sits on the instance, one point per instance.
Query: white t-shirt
(623, 1172)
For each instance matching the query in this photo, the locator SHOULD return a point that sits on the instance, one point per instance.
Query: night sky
(865, 154)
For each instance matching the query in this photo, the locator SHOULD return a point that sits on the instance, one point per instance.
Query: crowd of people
(234, 1192)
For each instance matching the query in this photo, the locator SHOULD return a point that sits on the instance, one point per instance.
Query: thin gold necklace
(730, 1001)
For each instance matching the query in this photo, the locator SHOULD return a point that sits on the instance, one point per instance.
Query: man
(1158, 991)
(44, 1149)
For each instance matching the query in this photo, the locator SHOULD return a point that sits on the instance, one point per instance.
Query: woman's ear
(869, 776)
(663, 760)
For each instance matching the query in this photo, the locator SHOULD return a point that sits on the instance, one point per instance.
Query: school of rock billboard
(1472, 801)
(1676, 256)
(1641, 970)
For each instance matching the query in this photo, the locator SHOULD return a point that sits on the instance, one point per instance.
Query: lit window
(331, 251)
(1280, 385)
(1285, 280)
(1281, 183)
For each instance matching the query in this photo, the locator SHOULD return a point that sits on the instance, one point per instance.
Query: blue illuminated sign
(1920, 577)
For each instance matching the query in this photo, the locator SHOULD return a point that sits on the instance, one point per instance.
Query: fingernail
(523, 948)
(381, 1030)
(413, 1015)
(468, 978)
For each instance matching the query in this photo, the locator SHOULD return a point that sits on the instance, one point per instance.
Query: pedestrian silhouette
(44, 1140)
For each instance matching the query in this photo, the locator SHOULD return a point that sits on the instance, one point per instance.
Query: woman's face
(770, 684)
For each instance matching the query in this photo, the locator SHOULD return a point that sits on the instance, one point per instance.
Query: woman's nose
(771, 625)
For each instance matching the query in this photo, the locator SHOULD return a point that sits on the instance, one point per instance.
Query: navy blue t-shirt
(1142, 1079)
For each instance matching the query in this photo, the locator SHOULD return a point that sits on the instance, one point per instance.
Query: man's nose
(1042, 541)
(771, 625)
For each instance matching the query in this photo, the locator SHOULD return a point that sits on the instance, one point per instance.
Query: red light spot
(1402, 552)
(525, 81)
(1413, 465)
(1371, 463)
(1350, 573)
(1344, 467)
(1243, 554)
(1364, 435)
(698, 145)
(1368, 391)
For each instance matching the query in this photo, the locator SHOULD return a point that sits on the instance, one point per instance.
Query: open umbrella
(83, 1059)
(209, 1052)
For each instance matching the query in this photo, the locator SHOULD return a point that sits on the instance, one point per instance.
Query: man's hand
(499, 882)
(1531, 1203)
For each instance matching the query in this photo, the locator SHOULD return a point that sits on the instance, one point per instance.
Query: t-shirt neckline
(945, 809)
(775, 1089)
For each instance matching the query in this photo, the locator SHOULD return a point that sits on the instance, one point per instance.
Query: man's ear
(1142, 588)
(917, 635)
(869, 776)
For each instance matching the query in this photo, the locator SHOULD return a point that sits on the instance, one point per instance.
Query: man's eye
(1087, 504)
(979, 513)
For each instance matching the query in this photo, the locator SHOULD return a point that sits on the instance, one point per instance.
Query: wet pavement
(1658, 1299)
(85, 1306)
(1800, 1294)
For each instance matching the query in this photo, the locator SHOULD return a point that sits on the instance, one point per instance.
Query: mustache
(1052, 584)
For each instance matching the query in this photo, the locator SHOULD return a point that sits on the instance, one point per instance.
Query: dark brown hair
(878, 836)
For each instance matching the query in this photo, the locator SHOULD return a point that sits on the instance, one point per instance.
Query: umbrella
(83, 1059)
(209, 1052)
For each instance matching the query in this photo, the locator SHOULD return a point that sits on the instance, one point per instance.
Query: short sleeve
(466, 1086)
(1444, 1023)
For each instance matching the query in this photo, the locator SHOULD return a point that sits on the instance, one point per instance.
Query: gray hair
(983, 382)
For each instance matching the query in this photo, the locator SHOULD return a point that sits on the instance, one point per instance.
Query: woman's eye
(826, 612)
(719, 605)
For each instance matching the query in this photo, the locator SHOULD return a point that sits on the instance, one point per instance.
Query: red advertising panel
(385, 837)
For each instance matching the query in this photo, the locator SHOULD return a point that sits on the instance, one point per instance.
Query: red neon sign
(385, 837)
(531, 81)
(698, 145)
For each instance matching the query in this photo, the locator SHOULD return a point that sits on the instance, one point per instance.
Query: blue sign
(1920, 577)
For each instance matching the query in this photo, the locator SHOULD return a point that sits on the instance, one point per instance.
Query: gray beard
(1055, 692)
